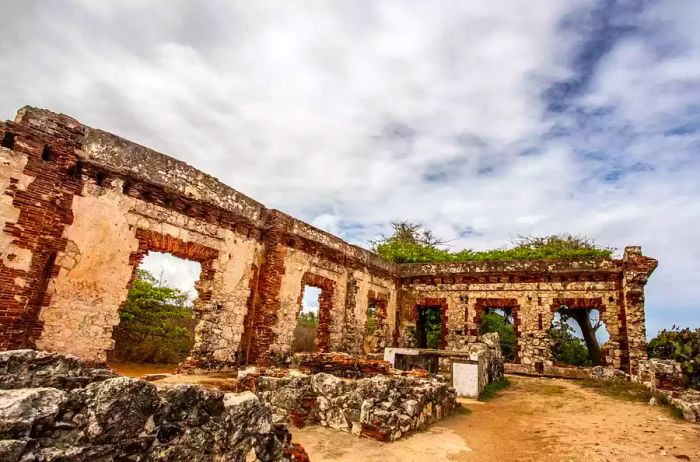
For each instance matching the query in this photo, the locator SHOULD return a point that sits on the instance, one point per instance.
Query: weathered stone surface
(688, 402)
(128, 419)
(119, 408)
(26, 411)
(31, 368)
(383, 407)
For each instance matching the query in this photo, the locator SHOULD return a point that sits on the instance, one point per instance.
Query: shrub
(305, 333)
(155, 323)
(525, 248)
(682, 345)
(494, 322)
(566, 347)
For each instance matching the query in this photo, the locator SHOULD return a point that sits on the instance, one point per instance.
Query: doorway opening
(370, 337)
(156, 321)
(306, 330)
(577, 335)
(502, 322)
(429, 327)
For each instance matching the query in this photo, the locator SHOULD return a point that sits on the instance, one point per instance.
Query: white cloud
(351, 114)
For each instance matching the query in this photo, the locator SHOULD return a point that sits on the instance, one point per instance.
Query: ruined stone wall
(82, 207)
(533, 291)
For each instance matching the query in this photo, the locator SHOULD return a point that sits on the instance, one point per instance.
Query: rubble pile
(121, 418)
(342, 365)
(383, 407)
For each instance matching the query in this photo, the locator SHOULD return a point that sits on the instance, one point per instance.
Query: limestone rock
(119, 408)
(25, 411)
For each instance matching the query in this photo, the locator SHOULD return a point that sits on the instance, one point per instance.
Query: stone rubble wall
(122, 418)
(382, 407)
(664, 376)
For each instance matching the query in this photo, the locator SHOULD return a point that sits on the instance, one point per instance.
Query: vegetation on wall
(494, 322)
(155, 323)
(412, 243)
(682, 345)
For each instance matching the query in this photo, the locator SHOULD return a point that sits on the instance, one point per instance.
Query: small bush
(682, 345)
(567, 348)
(305, 333)
(494, 322)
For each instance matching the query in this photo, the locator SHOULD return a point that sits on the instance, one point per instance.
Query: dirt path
(534, 420)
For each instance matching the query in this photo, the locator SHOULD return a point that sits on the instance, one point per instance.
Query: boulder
(25, 411)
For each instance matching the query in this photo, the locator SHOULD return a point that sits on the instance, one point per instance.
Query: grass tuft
(492, 389)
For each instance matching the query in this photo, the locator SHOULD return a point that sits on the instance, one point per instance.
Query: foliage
(494, 322)
(308, 319)
(567, 348)
(682, 345)
(493, 388)
(371, 324)
(411, 243)
(431, 319)
(156, 323)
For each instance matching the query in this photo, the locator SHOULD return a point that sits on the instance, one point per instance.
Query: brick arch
(482, 304)
(150, 241)
(325, 306)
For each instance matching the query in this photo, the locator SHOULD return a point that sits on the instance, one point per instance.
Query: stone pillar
(350, 343)
(635, 273)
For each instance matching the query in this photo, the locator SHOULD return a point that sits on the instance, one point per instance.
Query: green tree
(682, 345)
(566, 347)
(494, 322)
(156, 323)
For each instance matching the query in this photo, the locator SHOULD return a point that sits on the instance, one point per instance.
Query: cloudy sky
(482, 119)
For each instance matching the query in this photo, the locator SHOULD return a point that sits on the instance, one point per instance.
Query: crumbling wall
(533, 291)
(382, 407)
(81, 209)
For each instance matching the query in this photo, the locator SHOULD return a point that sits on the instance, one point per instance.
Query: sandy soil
(534, 420)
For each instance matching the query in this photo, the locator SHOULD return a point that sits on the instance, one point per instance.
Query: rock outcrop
(121, 418)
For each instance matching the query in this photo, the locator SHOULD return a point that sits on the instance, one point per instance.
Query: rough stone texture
(79, 209)
(128, 419)
(31, 369)
(382, 407)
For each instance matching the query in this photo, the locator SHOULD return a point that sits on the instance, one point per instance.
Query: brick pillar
(267, 303)
(636, 271)
(47, 143)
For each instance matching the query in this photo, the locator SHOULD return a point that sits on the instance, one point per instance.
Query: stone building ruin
(81, 207)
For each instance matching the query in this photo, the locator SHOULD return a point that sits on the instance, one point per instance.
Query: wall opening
(370, 338)
(306, 330)
(429, 327)
(577, 335)
(502, 322)
(8, 140)
(156, 322)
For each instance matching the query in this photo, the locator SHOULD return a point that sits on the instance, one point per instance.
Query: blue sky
(484, 120)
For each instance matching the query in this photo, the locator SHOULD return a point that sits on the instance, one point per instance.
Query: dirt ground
(535, 419)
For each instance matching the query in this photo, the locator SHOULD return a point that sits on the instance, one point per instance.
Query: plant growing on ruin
(682, 345)
(566, 347)
(413, 243)
(156, 323)
(494, 322)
